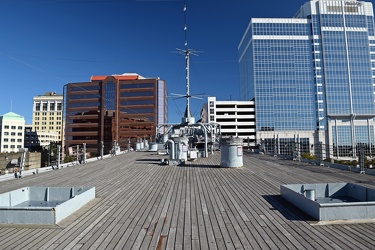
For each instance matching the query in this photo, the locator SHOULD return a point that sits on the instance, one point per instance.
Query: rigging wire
(11, 56)
(73, 84)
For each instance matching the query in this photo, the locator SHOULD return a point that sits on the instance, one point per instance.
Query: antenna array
(187, 52)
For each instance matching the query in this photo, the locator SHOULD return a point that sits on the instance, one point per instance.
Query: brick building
(122, 108)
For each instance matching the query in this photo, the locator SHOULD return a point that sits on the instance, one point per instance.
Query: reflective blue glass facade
(345, 48)
(313, 72)
(281, 77)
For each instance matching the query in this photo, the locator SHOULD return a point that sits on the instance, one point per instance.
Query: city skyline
(48, 44)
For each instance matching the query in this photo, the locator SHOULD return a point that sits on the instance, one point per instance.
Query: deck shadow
(149, 161)
(198, 166)
(153, 159)
(286, 209)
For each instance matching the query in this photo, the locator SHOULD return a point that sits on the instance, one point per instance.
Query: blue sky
(46, 44)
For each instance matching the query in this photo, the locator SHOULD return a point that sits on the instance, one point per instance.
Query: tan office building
(47, 117)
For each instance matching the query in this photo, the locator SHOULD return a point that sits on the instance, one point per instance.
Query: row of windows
(52, 107)
(111, 86)
(137, 102)
(328, 20)
(137, 111)
(84, 104)
(137, 94)
(45, 113)
(13, 133)
(84, 96)
(51, 118)
(50, 128)
(84, 88)
(240, 113)
(41, 136)
(137, 86)
(13, 127)
(45, 123)
(89, 112)
(12, 146)
(110, 100)
(12, 140)
(280, 29)
(237, 127)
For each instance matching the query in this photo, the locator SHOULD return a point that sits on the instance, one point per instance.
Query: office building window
(109, 96)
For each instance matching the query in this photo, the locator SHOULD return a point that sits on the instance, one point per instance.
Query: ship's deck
(141, 204)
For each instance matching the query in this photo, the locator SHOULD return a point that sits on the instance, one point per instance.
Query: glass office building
(312, 76)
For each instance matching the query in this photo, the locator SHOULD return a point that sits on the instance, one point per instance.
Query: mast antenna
(187, 52)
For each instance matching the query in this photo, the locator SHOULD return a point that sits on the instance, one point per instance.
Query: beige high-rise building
(47, 117)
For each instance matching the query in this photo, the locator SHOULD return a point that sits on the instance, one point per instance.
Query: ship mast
(188, 118)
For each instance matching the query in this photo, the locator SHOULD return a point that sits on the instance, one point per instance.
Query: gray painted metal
(332, 201)
(231, 149)
(153, 147)
(181, 148)
(42, 205)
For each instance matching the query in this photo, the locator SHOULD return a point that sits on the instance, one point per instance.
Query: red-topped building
(122, 108)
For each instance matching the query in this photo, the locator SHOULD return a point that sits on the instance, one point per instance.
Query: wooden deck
(143, 205)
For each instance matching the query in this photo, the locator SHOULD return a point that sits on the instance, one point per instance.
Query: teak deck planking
(141, 204)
